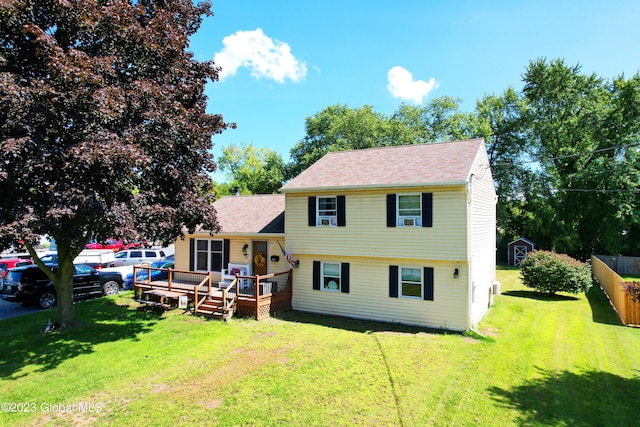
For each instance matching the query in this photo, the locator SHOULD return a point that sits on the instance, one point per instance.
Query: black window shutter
(342, 217)
(428, 284)
(344, 278)
(393, 281)
(316, 275)
(225, 255)
(427, 209)
(192, 254)
(312, 211)
(391, 210)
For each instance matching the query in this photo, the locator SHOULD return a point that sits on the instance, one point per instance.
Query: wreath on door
(259, 260)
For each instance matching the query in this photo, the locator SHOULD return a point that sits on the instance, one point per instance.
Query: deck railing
(258, 296)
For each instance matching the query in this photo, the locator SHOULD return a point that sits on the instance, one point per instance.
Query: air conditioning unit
(496, 288)
(327, 220)
(408, 221)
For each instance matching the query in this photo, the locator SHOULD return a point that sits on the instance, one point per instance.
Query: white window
(409, 211)
(410, 282)
(209, 255)
(330, 277)
(327, 211)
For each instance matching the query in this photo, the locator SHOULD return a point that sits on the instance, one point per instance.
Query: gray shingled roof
(251, 214)
(438, 163)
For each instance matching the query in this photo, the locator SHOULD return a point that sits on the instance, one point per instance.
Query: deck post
(210, 280)
(257, 293)
(169, 276)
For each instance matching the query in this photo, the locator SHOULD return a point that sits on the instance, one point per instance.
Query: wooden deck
(204, 297)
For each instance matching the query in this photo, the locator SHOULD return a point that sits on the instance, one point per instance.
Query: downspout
(469, 188)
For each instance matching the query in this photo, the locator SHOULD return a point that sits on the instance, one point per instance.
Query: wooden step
(214, 308)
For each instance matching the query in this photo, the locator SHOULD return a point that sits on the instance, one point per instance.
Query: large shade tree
(103, 128)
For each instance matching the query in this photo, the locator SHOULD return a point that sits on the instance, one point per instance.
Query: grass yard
(563, 361)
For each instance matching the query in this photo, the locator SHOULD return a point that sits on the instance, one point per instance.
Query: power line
(567, 156)
(587, 190)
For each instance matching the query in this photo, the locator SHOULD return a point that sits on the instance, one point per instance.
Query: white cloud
(401, 85)
(262, 55)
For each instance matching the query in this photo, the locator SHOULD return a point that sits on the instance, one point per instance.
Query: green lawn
(563, 361)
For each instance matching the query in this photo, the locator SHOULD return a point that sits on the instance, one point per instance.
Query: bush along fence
(614, 287)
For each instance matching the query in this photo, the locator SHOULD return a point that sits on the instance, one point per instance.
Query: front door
(259, 254)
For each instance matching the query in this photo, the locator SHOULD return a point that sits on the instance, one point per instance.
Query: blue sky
(284, 61)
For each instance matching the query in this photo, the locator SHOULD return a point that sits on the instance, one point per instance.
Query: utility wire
(567, 156)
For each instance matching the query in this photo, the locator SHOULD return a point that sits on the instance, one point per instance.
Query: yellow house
(398, 234)
(250, 229)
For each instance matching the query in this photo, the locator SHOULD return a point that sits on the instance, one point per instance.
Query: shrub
(550, 272)
(633, 290)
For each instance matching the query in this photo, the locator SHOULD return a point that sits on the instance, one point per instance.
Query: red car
(6, 264)
(115, 244)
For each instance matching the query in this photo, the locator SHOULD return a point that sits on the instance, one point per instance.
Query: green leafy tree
(253, 170)
(340, 128)
(585, 131)
(550, 272)
(102, 125)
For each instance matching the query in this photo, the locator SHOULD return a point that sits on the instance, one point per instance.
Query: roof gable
(397, 166)
(251, 214)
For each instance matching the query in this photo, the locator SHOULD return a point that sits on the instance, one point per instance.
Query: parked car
(7, 263)
(155, 274)
(51, 258)
(96, 258)
(138, 256)
(29, 284)
(137, 245)
(115, 244)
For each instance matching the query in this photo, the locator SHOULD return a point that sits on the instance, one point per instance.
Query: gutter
(385, 186)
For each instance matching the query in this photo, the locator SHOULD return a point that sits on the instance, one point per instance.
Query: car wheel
(47, 299)
(110, 288)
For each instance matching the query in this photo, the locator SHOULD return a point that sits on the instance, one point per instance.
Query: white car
(138, 256)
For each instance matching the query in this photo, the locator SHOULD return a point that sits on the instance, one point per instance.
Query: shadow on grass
(591, 398)
(25, 348)
(539, 296)
(354, 325)
(601, 309)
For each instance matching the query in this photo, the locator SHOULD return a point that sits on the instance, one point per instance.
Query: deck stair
(214, 307)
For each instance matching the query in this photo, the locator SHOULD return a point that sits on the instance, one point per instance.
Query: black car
(30, 284)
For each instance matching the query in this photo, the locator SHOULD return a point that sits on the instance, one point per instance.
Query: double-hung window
(411, 282)
(327, 211)
(330, 276)
(208, 254)
(409, 210)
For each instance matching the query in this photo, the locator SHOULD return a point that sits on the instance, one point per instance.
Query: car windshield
(120, 255)
(157, 264)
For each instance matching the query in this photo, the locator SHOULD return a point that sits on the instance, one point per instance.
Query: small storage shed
(518, 250)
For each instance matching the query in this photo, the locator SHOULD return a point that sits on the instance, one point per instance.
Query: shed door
(259, 258)
(519, 254)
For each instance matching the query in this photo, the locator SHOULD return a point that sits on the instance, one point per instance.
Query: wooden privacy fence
(628, 265)
(611, 283)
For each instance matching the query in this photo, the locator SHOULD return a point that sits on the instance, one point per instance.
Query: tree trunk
(63, 284)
